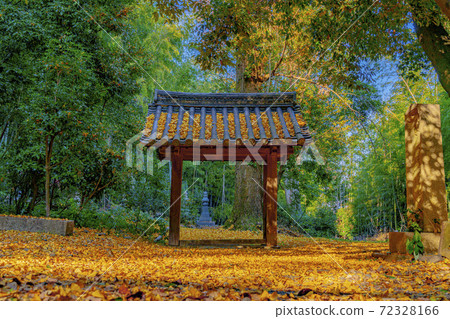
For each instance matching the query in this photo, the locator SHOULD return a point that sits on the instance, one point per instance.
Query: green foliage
(210, 177)
(321, 223)
(116, 219)
(378, 177)
(54, 58)
(414, 246)
(307, 208)
(221, 214)
(190, 208)
(139, 191)
(444, 101)
(73, 90)
(72, 95)
(135, 222)
(218, 179)
(413, 63)
(415, 220)
(345, 223)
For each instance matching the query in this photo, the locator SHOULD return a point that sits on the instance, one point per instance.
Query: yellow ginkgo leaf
(75, 288)
(265, 295)
(97, 294)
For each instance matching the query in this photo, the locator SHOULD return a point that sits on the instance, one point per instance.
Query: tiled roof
(214, 118)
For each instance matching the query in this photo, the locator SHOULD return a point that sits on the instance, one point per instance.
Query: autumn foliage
(91, 265)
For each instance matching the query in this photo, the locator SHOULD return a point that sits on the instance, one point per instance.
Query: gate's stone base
(444, 247)
(433, 243)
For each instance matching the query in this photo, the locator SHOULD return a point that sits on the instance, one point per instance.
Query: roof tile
(217, 117)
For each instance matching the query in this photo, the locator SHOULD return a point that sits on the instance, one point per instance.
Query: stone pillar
(425, 177)
(425, 180)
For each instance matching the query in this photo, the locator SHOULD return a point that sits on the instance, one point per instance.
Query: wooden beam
(219, 242)
(220, 153)
(175, 196)
(271, 198)
(265, 200)
(217, 158)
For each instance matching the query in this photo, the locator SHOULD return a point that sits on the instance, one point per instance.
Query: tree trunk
(52, 192)
(48, 168)
(445, 7)
(47, 190)
(433, 40)
(247, 208)
(34, 182)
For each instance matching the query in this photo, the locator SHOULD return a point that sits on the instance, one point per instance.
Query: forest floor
(91, 265)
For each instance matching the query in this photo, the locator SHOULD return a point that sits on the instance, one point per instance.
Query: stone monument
(205, 219)
(425, 180)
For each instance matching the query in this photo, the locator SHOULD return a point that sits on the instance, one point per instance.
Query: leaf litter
(85, 266)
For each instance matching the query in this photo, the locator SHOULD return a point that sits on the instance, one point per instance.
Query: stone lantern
(205, 219)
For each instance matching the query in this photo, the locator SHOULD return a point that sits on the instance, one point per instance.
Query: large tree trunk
(433, 40)
(247, 208)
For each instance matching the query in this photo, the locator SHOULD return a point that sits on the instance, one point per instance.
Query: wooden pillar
(175, 196)
(425, 177)
(271, 198)
(264, 206)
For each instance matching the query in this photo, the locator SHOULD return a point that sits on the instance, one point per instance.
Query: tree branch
(358, 114)
(434, 41)
(445, 7)
(4, 131)
(326, 87)
(272, 73)
(97, 188)
(407, 86)
(60, 162)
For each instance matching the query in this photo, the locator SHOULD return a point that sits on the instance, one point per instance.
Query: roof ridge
(224, 99)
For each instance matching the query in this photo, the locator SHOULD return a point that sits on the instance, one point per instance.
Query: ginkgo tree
(270, 46)
(341, 34)
(329, 45)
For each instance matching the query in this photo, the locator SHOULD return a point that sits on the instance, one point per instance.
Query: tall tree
(69, 72)
(266, 46)
(280, 45)
(347, 31)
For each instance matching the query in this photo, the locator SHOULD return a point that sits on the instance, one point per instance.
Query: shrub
(415, 245)
(345, 223)
(220, 214)
(117, 219)
(190, 207)
(321, 223)
(133, 221)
